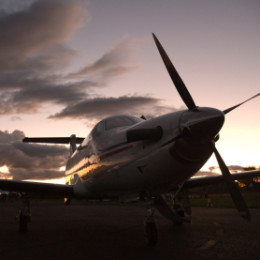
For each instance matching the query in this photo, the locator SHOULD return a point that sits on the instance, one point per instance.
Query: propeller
(179, 84)
(186, 97)
(234, 107)
(233, 188)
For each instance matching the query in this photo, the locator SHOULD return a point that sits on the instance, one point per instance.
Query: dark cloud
(33, 54)
(30, 161)
(6, 137)
(34, 57)
(102, 107)
(39, 63)
(44, 24)
(30, 98)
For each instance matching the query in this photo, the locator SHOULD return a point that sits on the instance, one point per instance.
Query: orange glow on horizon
(4, 169)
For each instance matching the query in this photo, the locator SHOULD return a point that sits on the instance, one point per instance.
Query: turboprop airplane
(126, 157)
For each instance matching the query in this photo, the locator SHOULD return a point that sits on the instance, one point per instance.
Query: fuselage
(108, 164)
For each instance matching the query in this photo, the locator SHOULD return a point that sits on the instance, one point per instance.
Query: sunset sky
(64, 65)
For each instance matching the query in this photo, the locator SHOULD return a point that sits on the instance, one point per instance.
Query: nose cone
(203, 124)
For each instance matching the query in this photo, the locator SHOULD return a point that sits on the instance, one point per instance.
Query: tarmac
(87, 230)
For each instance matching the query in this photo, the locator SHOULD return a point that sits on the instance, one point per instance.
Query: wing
(38, 188)
(201, 181)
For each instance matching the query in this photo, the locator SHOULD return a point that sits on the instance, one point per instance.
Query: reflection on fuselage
(99, 151)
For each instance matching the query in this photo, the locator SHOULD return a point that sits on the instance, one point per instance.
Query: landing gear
(150, 228)
(173, 206)
(25, 214)
(179, 210)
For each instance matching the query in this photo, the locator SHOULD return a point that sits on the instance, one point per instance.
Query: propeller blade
(233, 188)
(179, 84)
(232, 108)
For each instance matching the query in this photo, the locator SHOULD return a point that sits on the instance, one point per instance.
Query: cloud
(113, 63)
(212, 170)
(36, 36)
(34, 54)
(30, 98)
(30, 161)
(5, 137)
(35, 59)
(205, 174)
(13, 6)
(98, 108)
(232, 168)
(44, 24)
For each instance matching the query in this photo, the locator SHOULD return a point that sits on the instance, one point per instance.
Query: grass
(225, 201)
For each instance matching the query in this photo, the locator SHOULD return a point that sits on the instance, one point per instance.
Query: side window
(98, 130)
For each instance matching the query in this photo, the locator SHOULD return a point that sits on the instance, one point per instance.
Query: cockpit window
(111, 123)
(120, 121)
(99, 129)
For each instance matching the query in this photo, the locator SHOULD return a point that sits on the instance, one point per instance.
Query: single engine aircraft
(126, 157)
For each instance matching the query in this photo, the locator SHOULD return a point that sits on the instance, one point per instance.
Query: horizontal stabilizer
(52, 140)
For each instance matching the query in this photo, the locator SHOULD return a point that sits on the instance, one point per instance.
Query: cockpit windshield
(110, 123)
(120, 121)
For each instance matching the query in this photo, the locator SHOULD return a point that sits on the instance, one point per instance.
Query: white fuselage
(107, 164)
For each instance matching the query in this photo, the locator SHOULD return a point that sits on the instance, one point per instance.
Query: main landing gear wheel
(150, 229)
